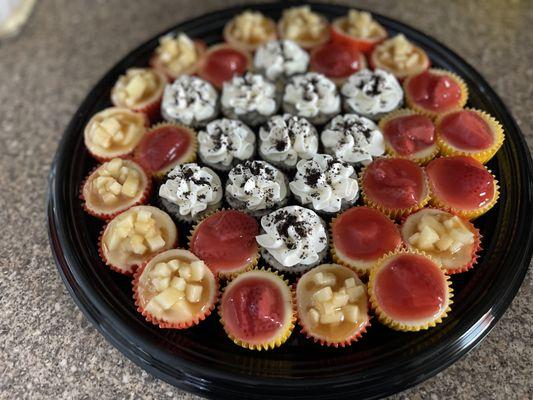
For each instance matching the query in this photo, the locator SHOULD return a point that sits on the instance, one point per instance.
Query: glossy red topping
(410, 287)
(363, 233)
(221, 64)
(394, 183)
(226, 241)
(466, 130)
(433, 91)
(162, 147)
(461, 182)
(410, 134)
(253, 309)
(336, 60)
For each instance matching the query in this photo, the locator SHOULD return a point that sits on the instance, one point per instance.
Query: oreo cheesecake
(293, 239)
(325, 184)
(256, 187)
(286, 139)
(353, 139)
(191, 101)
(278, 60)
(224, 143)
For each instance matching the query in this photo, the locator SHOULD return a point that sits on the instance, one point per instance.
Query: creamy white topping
(248, 93)
(325, 182)
(372, 92)
(192, 188)
(257, 184)
(288, 138)
(189, 99)
(353, 139)
(312, 94)
(281, 58)
(293, 235)
(225, 139)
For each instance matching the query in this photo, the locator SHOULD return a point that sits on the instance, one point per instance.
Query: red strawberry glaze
(435, 92)
(225, 241)
(466, 130)
(222, 63)
(394, 183)
(410, 134)
(461, 182)
(162, 146)
(253, 310)
(336, 60)
(363, 233)
(410, 287)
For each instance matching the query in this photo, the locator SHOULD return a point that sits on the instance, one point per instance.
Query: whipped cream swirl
(191, 188)
(353, 139)
(325, 183)
(372, 93)
(280, 58)
(293, 235)
(312, 94)
(257, 184)
(248, 93)
(287, 138)
(225, 139)
(189, 99)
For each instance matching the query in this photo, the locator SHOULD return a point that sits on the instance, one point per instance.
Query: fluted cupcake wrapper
(421, 157)
(106, 216)
(399, 326)
(434, 114)
(224, 274)
(168, 324)
(280, 337)
(446, 149)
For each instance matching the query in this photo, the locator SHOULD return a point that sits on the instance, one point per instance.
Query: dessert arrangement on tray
(316, 174)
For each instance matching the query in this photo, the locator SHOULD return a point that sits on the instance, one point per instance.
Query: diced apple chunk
(452, 222)
(102, 138)
(113, 240)
(161, 284)
(185, 272)
(431, 222)
(173, 265)
(136, 87)
(197, 270)
(114, 165)
(161, 270)
(142, 227)
(444, 243)
(339, 300)
(167, 298)
(115, 188)
(333, 318)
(109, 198)
(314, 316)
(153, 307)
(111, 125)
(354, 293)
(351, 313)
(462, 235)
(324, 279)
(178, 283)
(138, 248)
(130, 186)
(427, 238)
(326, 307)
(193, 293)
(324, 294)
(182, 309)
(144, 215)
(155, 243)
(350, 282)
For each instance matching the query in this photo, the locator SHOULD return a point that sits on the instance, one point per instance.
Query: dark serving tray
(203, 360)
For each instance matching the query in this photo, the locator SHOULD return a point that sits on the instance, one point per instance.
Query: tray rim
(186, 380)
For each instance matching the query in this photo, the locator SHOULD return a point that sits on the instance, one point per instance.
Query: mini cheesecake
(332, 305)
(360, 236)
(226, 242)
(175, 289)
(469, 132)
(249, 30)
(114, 132)
(409, 135)
(358, 30)
(435, 91)
(136, 235)
(222, 62)
(303, 26)
(409, 291)
(447, 238)
(278, 60)
(140, 89)
(400, 57)
(114, 187)
(462, 185)
(177, 55)
(395, 186)
(337, 61)
(164, 146)
(257, 311)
